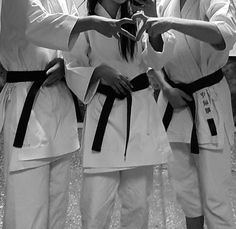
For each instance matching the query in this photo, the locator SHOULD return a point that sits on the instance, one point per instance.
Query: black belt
(189, 89)
(38, 78)
(140, 82)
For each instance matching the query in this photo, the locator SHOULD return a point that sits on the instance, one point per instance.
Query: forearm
(86, 23)
(201, 30)
(97, 73)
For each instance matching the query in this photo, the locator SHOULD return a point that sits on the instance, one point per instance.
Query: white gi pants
(202, 183)
(133, 187)
(37, 198)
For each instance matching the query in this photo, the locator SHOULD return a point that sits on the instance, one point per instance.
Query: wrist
(165, 87)
(99, 71)
(174, 23)
(85, 24)
(94, 23)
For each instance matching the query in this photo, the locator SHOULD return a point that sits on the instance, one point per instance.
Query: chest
(109, 49)
(188, 9)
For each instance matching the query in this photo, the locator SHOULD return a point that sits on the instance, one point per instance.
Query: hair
(126, 45)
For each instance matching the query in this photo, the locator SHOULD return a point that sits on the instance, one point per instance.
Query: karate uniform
(108, 172)
(233, 51)
(202, 181)
(37, 173)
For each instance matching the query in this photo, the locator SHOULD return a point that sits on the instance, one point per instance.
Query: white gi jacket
(52, 126)
(193, 59)
(233, 51)
(148, 142)
(0, 13)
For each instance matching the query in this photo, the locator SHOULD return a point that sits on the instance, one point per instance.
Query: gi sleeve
(0, 14)
(222, 13)
(79, 71)
(50, 24)
(156, 59)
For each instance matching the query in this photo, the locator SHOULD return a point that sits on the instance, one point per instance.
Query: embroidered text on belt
(140, 82)
(38, 78)
(189, 89)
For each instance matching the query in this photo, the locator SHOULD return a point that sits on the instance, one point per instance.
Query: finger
(180, 103)
(122, 30)
(52, 79)
(126, 86)
(144, 24)
(58, 61)
(114, 87)
(51, 64)
(118, 85)
(127, 83)
(124, 21)
(141, 31)
(116, 35)
(139, 16)
(126, 33)
(122, 89)
(185, 96)
(53, 68)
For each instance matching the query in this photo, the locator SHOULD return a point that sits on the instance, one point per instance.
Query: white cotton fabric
(202, 183)
(148, 142)
(52, 128)
(198, 59)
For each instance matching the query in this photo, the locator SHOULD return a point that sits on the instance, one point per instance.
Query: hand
(154, 82)
(159, 25)
(112, 27)
(176, 97)
(153, 25)
(55, 70)
(145, 22)
(109, 76)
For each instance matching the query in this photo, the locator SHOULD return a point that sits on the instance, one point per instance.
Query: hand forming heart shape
(137, 17)
(142, 19)
(118, 28)
(153, 25)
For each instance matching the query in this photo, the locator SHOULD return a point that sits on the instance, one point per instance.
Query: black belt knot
(140, 82)
(38, 78)
(189, 89)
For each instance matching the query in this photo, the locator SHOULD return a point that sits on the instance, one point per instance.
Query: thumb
(50, 64)
(185, 96)
(52, 68)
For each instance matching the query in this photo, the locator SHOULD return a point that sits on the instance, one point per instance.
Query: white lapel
(63, 5)
(57, 6)
(173, 9)
(0, 14)
(186, 13)
(187, 7)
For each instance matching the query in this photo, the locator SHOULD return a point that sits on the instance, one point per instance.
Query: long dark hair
(127, 46)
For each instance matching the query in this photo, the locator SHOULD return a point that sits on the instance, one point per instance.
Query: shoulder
(217, 7)
(206, 4)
